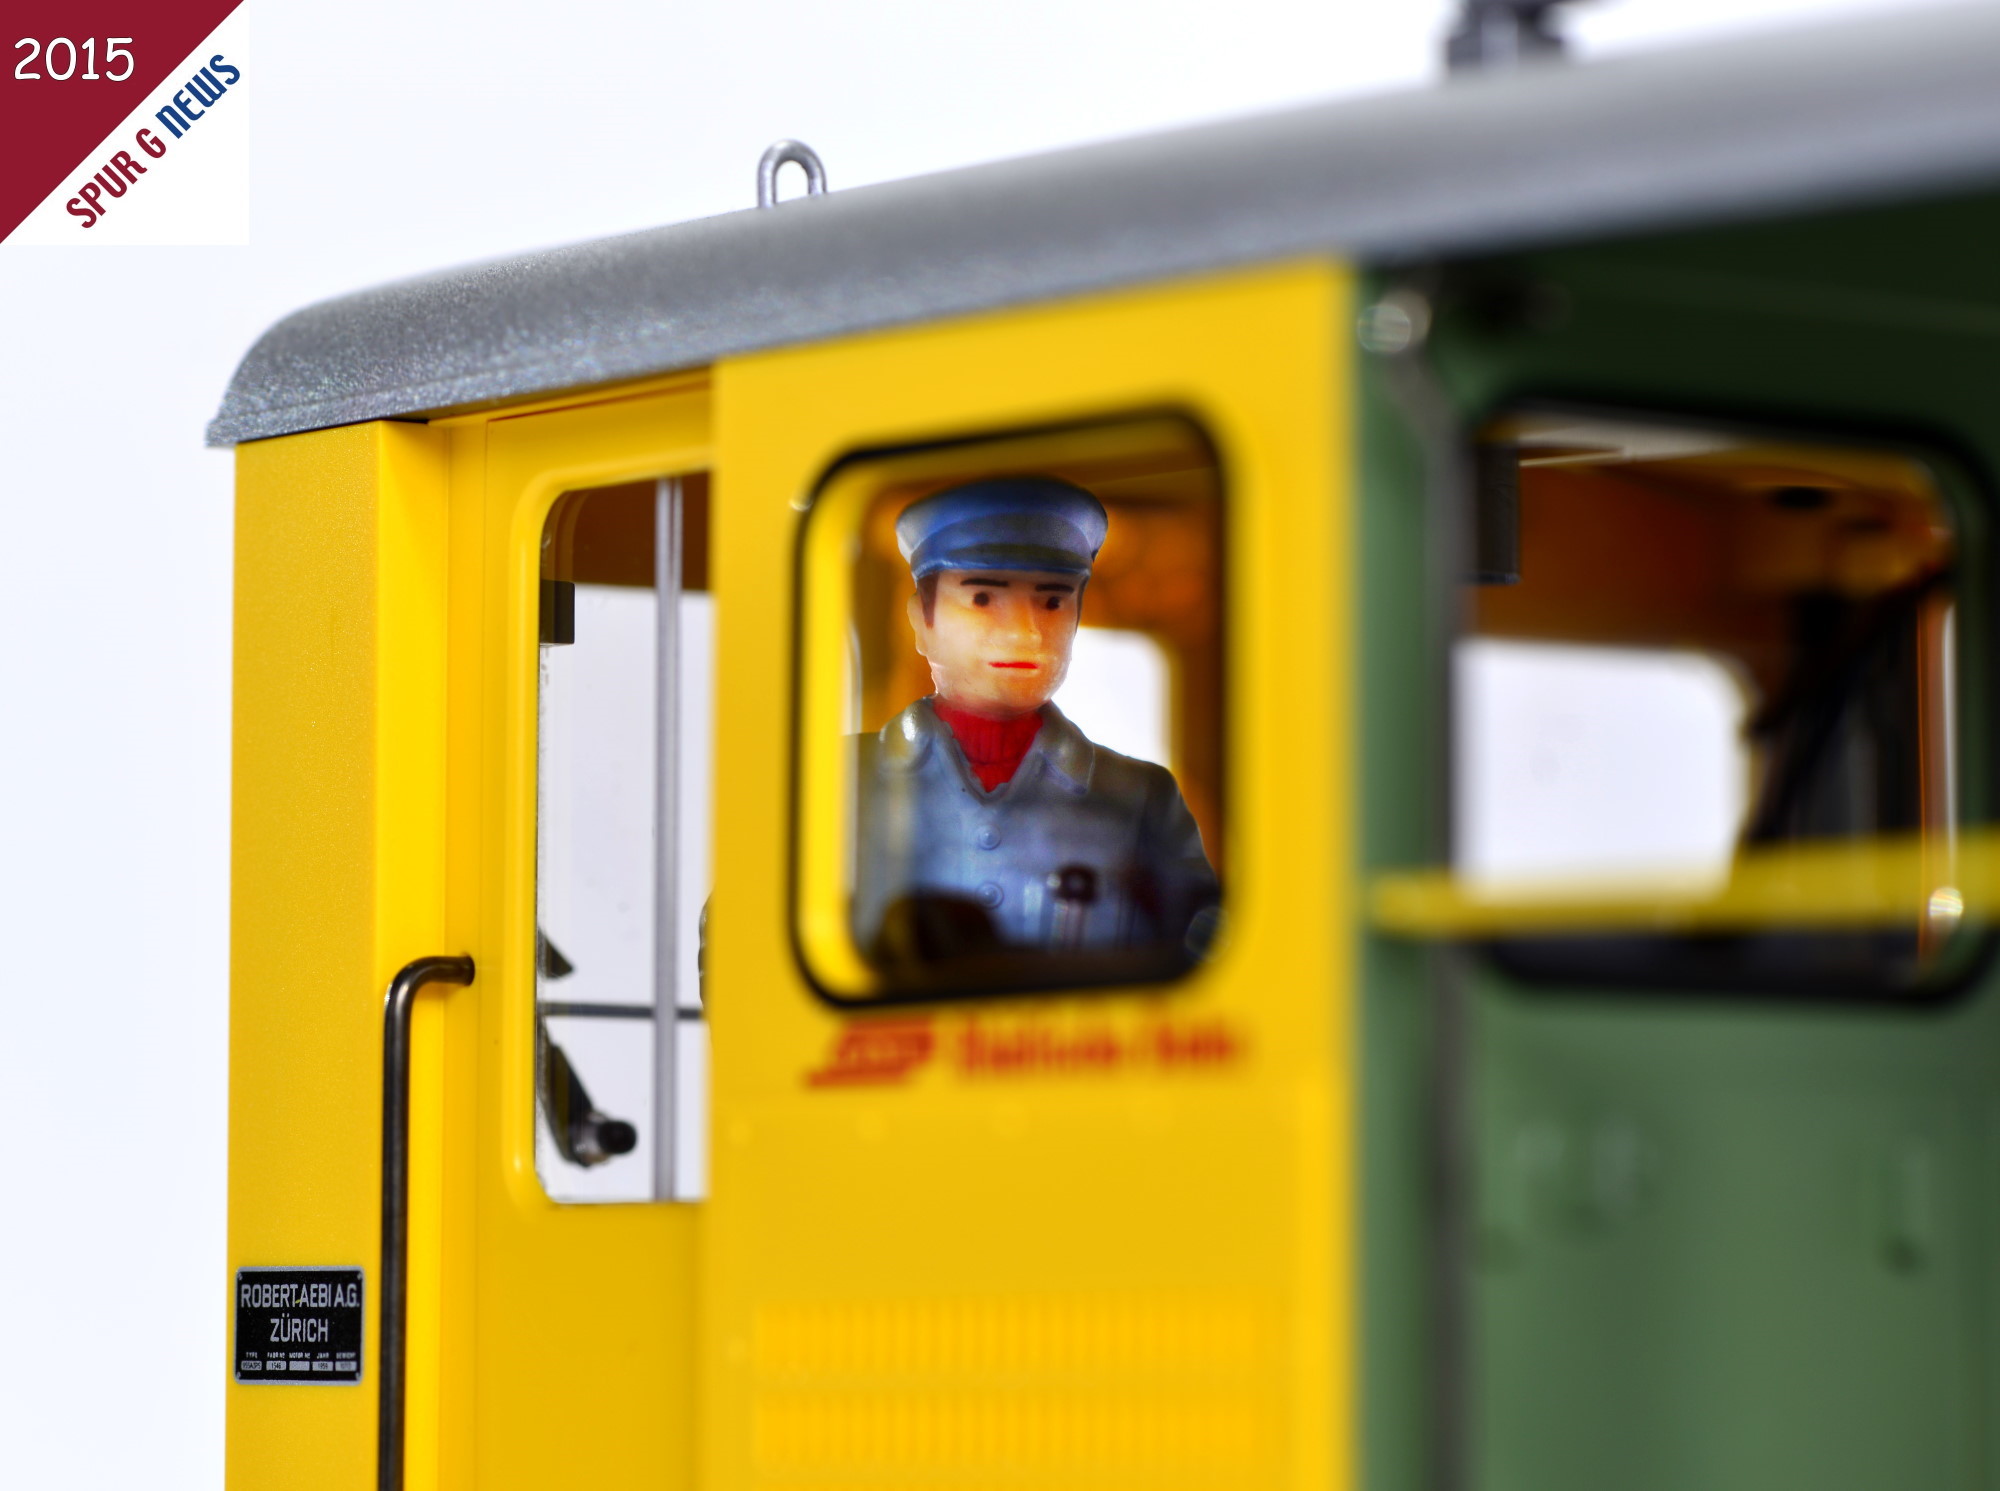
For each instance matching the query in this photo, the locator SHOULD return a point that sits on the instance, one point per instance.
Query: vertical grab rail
(397, 1006)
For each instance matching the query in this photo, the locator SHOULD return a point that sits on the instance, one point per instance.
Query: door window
(622, 865)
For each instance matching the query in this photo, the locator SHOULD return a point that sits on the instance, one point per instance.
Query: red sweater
(993, 748)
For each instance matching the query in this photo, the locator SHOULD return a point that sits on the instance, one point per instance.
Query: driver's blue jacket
(927, 828)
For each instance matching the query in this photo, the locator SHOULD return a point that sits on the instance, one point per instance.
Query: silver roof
(1866, 111)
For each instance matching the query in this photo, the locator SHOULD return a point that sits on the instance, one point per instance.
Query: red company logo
(876, 1051)
(881, 1052)
(1002, 1049)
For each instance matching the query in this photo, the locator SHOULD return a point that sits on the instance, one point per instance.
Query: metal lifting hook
(797, 153)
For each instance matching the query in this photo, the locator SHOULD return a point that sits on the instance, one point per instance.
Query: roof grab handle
(792, 152)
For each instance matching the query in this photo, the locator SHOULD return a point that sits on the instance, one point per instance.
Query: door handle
(397, 1007)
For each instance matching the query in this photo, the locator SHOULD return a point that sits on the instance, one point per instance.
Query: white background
(391, 138)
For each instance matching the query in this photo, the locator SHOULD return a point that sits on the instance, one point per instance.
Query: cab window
(1011, 740)
(1687, 644)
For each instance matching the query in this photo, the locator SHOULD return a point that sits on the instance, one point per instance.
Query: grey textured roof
(1865, 111)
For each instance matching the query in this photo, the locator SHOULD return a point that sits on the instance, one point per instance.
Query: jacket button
(990, 894)
(987, 838)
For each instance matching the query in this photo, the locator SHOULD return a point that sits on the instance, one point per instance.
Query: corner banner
(126, 122)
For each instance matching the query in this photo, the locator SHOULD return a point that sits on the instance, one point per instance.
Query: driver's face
(998, 640)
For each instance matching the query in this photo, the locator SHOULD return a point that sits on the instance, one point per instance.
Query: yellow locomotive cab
(1027, 1237)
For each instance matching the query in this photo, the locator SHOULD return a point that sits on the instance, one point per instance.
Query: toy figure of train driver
(988, 823)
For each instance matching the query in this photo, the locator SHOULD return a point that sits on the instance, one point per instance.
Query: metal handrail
(397, 1006)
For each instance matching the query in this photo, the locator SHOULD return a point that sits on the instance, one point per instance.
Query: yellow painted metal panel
(338, 865)
(579, 1351)
(454, 1062)
(1049, 1200)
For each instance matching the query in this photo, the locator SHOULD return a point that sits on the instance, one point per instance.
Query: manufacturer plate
(299, 1325)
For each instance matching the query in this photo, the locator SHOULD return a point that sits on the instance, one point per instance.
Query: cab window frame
(1969, 500)
(806, 748)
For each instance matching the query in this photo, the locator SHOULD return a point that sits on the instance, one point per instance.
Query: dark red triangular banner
(52, 113)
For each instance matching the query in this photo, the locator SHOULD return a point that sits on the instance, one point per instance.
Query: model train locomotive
(1296, 804)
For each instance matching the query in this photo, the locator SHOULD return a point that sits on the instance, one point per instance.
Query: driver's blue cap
(1003, 523)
